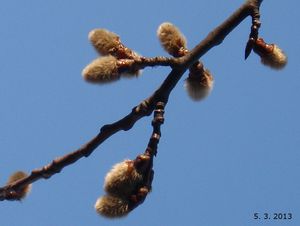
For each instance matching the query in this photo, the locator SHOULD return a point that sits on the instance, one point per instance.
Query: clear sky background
(219, 161)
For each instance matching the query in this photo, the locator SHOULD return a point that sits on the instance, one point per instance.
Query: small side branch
(156, 61)
(151, 151)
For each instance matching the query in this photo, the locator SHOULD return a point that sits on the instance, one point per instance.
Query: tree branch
(145, 108)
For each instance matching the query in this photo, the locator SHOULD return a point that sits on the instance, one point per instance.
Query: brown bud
(142, 163)
(21, 193)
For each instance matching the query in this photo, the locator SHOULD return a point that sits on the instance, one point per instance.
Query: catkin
(112, 206)
(122, 179)
(199, 87)
(171, 39)
(104, 41)
(276, 59)
(101, 70)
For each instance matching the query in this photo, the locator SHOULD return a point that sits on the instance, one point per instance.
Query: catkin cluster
(124, 184)
(117, 60)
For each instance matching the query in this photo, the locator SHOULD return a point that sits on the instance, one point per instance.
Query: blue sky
(219, 161)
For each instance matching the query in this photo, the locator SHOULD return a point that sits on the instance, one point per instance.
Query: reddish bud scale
(271, 55)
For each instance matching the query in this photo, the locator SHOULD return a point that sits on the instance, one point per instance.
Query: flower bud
(112, 206)
(199, 87)
(102, 70)
(171, 39)
(271, 55)
(104, 41)
(19, 194)
(123, 179)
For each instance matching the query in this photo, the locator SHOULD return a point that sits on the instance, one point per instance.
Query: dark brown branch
(151, 151)
(145, 108)
(156, 61)
(134, 65)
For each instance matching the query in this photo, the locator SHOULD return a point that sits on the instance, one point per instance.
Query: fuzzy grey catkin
(101, 70)
(123, 179)
(199, 87)
(23, 192)
(171, 39)
(104, 41)
(276, 59)
(112, 207)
